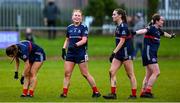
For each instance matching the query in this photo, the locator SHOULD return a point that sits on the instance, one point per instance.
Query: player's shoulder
(150, 27)
(123, 25)
(69, 26)
(83, 25)
(23, 41)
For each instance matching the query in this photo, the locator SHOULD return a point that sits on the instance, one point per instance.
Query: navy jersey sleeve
(161, 32)
(25, 55)
(23, 52)
(123, 30)
(85, 31)
(148, 29)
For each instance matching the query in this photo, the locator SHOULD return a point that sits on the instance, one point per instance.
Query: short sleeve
(23, 54)
(85, 31)
(161, 32)
(123, 31)
(148, 28)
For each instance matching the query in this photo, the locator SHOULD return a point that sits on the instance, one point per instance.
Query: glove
(111, 57)
(15, 75)
(22, 80)
(133, 33)
(63, 55)
(173, 35)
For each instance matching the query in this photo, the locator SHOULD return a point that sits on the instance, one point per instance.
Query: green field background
(50, 76)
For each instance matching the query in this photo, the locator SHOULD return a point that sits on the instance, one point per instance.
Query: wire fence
(20, 14)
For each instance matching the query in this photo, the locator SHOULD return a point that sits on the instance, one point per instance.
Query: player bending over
(33, 57)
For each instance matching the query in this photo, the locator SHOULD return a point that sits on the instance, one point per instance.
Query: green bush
(99, 9)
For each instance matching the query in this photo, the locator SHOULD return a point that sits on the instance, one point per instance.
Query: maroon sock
(148, 89)
(113, 90)
(133, 92)
(65, 90)
(25, 91)
(31, 92)
(142, 91)
(95, 90)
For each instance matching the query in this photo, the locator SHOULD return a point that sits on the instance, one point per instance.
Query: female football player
(76, 45)
(33, 57)
(149, 55)
(122, 54)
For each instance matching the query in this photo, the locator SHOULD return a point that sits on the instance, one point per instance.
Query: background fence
(19, 14)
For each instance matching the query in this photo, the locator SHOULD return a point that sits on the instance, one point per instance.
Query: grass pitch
(50, 76)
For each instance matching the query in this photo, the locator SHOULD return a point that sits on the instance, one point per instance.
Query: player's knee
(158, 73)
(67, 74)
(27, 74)
(33, 78)
(111, 73)
(129, 76)
(32, 75)
(85, 76)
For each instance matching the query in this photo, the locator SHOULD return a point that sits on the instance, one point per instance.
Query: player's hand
(15, 75)
(111, 57)
(22, 80)
(63, 53)
(173, 35)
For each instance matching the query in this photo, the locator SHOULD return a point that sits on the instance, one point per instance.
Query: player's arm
(63, 53)
(118, 47)
(122, 40)
(66, 42)
(16, 68)
(141, 31)
(169, 35)
(82, 41)
(84, 37)
(17, 64)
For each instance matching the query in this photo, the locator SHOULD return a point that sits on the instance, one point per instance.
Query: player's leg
(128, 65)
(84, 71)
(68, 68)
(115, 65)
(155, 73)
(33, 77)
(145, 81)
(26, 73)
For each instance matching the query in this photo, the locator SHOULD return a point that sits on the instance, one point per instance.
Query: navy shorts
(149, 55)
(124, 53)
(37, 56)
(77, 58)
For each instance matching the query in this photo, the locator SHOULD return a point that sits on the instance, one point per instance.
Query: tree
(95, 8)
(152, 8)
(99, 9)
